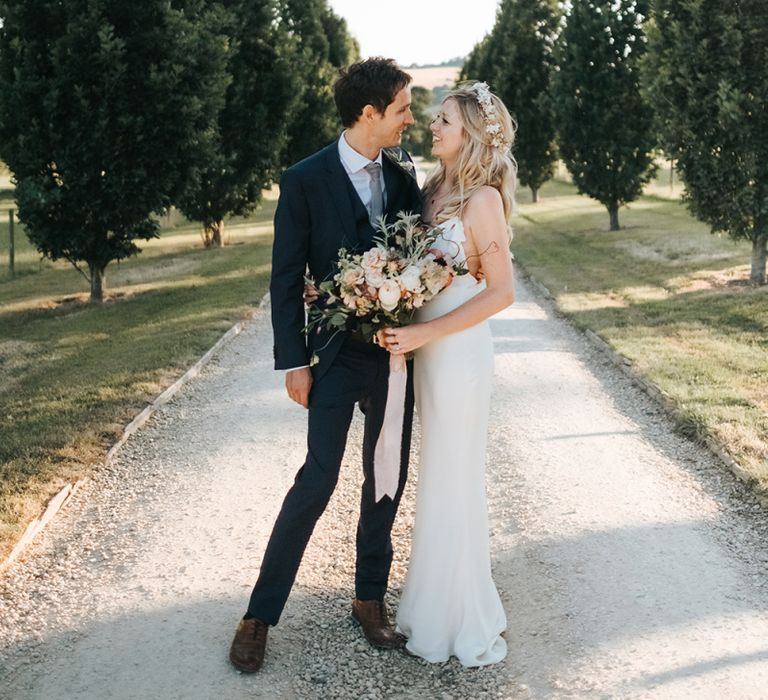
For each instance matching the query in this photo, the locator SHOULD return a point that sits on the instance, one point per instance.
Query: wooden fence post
(11, 251)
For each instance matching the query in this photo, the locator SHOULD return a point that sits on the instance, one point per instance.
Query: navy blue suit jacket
(314, 219)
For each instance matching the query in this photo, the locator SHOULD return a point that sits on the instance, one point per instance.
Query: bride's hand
(380, 338)
(311, 295)
(408, 338)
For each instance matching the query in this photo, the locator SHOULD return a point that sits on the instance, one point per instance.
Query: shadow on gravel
(574, 436)
(180, 652)
(701, 669)
(636, 609)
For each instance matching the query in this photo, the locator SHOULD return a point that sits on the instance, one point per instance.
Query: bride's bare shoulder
(484, 204)
(484, 197)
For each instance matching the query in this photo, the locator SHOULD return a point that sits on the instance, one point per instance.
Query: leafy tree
(478, 64)
(604, 124)
(343, 48)
(417, 140)
(706, 77)
(516, 59)
(324, 46)
(103, 106)
(524, 37)
(252, 127)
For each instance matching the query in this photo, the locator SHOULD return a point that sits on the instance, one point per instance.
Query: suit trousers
(358, 374)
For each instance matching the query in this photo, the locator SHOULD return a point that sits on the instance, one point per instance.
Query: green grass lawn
(670, 296)
(72, 374)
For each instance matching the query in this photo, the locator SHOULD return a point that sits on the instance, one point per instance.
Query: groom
(328, 202)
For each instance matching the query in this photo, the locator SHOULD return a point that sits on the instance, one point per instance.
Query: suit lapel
(393, 182)
(338, 185)
(399, 183)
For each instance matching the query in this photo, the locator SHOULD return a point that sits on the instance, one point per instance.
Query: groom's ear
(369, 113)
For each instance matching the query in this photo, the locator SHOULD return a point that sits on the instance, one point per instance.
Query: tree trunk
(213, 234)
(671, 175)
(98, 283)
(534, 194)
(759, 244)
(217, 234)
(613, 213)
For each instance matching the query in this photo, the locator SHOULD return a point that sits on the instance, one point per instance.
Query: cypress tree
(706, 76)
(104, 105)
(243, 155)
(604, 123)
(324, 46)
(524, 39)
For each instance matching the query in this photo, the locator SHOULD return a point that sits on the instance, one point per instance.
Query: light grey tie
(377, 197)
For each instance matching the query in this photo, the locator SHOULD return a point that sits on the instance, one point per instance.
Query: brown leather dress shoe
(378, 630)
(248, 646)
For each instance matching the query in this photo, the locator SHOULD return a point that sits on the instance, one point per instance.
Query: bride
(450, 605)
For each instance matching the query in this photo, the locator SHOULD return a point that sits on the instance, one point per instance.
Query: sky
(417, 31)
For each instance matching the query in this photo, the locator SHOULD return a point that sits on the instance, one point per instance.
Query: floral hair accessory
(492, 124)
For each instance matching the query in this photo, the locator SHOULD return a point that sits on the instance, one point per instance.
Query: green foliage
(342, 46)
(104, 106)
(521, 50)
(417, 140)
(706, 76)
(479, 63)
(324, 46)
(604, 124)
(244, 156)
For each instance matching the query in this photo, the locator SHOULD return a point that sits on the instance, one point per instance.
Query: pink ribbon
(386, 456)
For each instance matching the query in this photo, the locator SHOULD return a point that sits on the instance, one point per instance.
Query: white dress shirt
(354, 165)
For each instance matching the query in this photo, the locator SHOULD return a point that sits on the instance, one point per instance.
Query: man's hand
(298, 382)
(311, 294)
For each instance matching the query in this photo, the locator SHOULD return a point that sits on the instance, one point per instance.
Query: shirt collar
(352, 160)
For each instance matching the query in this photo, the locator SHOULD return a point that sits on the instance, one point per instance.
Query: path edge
(664, 400)
(59, 501)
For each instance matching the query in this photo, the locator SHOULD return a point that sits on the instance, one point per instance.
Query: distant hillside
(458, 61)
(438, 76)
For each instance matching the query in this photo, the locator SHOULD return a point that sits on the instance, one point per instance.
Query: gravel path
(631, 564)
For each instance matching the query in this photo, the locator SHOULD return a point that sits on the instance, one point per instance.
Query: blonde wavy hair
(480, 162)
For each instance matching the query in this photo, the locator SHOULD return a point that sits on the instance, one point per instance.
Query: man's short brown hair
(374, 81)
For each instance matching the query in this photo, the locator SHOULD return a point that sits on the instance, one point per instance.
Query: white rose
(374, 278)
(410, 279)
(389, 295)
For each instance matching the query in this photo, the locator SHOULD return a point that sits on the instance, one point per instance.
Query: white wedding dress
(450, 605)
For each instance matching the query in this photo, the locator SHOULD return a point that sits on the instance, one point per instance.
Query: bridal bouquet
(383, 286)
